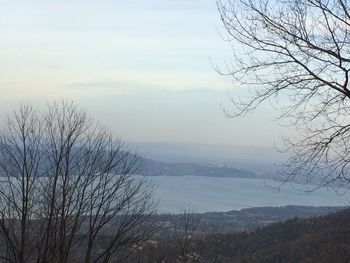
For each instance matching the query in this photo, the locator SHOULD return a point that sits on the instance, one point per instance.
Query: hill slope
(322, 239)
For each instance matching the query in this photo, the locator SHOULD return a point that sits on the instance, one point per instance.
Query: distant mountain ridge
(262, 161)
(207, 153)
(157, 168)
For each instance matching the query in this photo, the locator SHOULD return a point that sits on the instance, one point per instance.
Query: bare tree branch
(298, 52)
(69, 191)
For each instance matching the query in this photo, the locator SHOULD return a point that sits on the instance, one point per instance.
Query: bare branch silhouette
(69, 191)
(295, 54)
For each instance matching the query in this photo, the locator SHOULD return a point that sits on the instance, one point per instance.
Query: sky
(143, 69)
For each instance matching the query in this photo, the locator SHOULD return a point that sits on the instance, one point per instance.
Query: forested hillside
(317, 239)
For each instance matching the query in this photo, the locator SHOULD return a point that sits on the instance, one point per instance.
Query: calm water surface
(207, 194)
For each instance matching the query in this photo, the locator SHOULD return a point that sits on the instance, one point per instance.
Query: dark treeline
(316, 239)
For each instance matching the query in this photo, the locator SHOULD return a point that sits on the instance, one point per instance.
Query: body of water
(208, 194)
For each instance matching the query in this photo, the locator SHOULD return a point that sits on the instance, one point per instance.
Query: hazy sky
(142, 68)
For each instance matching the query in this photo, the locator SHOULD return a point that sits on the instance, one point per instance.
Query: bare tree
(296, 55)
(69, 190)
(183, 236)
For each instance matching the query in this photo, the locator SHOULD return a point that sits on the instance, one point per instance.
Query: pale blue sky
(142, 68)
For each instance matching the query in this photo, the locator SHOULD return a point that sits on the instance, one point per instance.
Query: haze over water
(209, 194)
